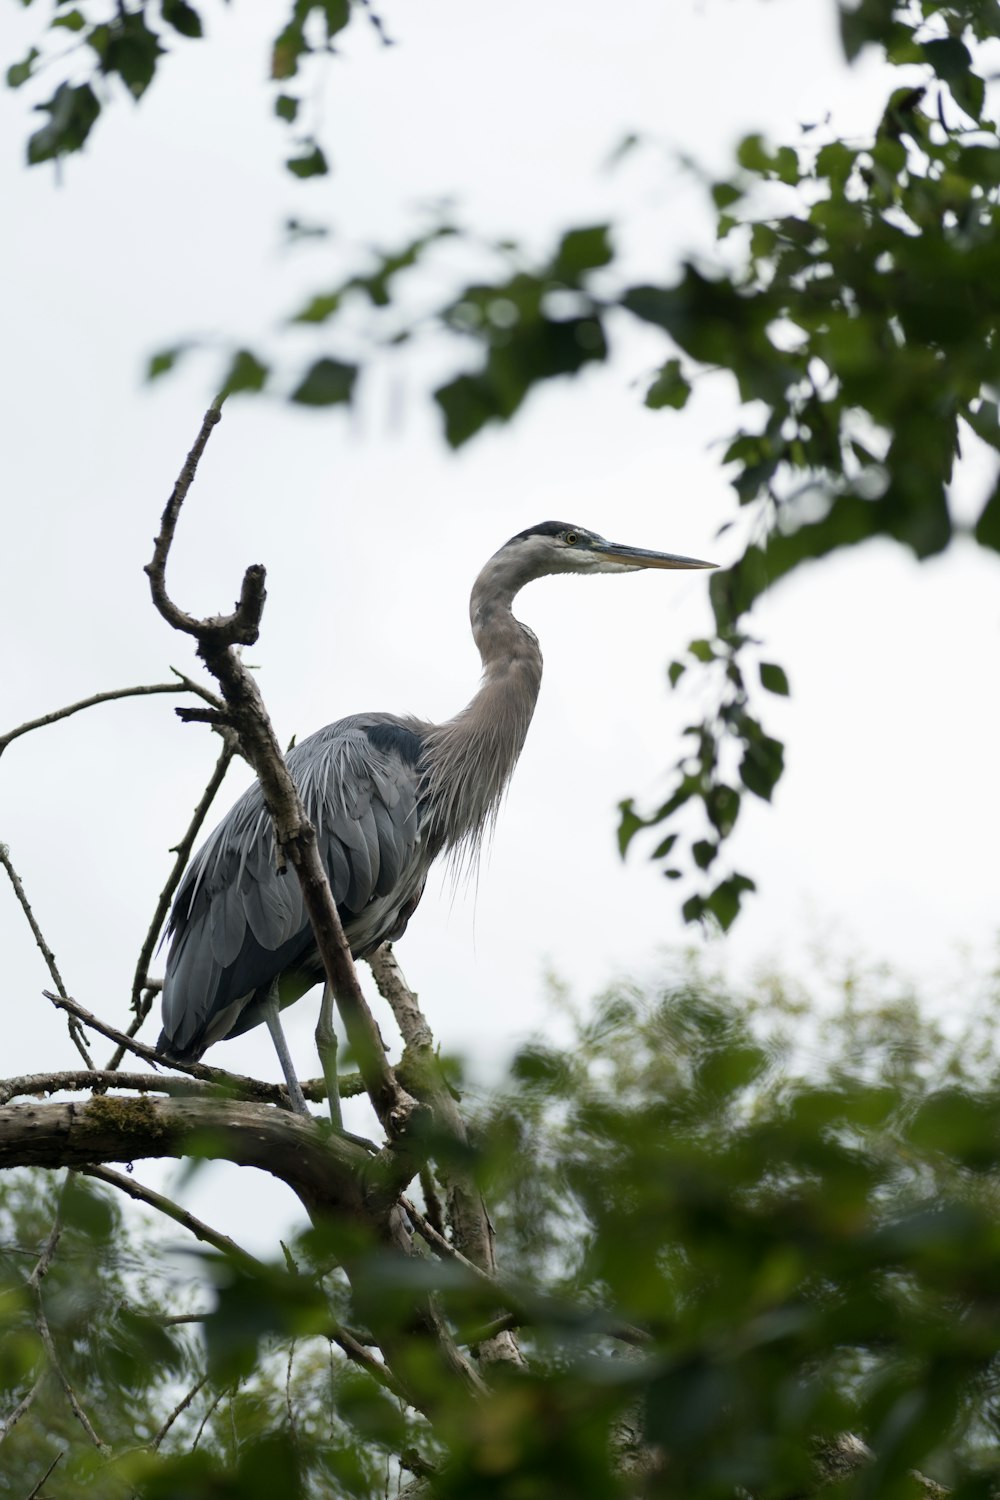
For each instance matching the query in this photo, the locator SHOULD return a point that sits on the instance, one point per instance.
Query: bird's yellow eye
(570, 538)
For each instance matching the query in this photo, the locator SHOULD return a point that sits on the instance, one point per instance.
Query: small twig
(205, 1419)
(141, 1004)
(178, 1410)
(172, 1210)
(183, 685)
(37, 1489)
(46, 951)
(12, 1418)
(45, 1334)
(292, 1424)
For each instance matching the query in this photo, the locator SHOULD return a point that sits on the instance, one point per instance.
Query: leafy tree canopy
(729, 1236)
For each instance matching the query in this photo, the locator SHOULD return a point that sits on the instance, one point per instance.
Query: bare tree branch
(172, 1210)
(182, 685)
(49, 957)
(235, 1083)
(232, 1084)
(178, 1411)
(45, 1334)
(294, 834)
(37, 1488)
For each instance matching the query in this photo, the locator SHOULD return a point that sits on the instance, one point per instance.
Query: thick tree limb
(326, 1172)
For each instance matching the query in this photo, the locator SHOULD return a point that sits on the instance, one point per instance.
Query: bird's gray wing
(236, 922)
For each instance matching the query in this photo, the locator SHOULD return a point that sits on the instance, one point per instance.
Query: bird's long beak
(640, 557)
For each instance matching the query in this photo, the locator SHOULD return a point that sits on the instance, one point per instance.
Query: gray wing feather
(363, 801)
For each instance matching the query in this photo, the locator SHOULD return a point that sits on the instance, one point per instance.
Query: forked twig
(182, 685)
(295, 835)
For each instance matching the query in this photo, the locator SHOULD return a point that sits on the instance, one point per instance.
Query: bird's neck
(471, 757)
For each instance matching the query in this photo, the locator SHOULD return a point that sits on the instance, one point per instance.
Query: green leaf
(581, 250)
(773, 678)
(725, 194)
(984, 420)
(164, 360)
(752, 154)
(72, 113)
(19, 73)
(628, 826)
(327, 383)
(311, 163)
(182, 17)
(987, 531)
(762, 765)
(724, 902)
(704, 852)
(128, 47)
(675, 672)
(669, 388)
(722, 804)
(72, 20)
(286, 107)
(836, 163)
(246, 373)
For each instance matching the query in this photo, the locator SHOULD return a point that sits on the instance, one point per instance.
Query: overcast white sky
(881, 839)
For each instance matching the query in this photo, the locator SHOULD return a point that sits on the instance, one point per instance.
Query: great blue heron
(387, 794)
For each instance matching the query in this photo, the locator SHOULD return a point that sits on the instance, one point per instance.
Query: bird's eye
(570, 538)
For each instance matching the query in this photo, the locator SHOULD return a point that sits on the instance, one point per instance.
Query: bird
(388, 795)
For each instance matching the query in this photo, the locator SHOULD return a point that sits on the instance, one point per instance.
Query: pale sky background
(881, 842)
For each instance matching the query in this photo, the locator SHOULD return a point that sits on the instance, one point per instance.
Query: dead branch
(233, 1085)
(238, 1084)
(172, 1210)
(294, 834)
(182, 685)
(46, 951)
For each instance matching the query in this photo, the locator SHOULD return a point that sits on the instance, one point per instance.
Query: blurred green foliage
(733, 1226)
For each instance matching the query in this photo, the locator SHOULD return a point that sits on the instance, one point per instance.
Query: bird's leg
(271, 1016)
(326, 1046)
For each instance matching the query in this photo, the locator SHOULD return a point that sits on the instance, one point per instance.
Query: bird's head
(558, 547)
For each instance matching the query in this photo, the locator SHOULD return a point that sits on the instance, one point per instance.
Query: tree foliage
(853, 304)
(731, 1234)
